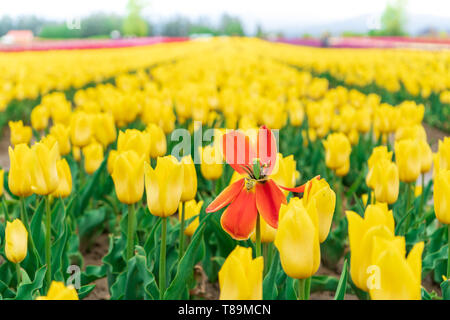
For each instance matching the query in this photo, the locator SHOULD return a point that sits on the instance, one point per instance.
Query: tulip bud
(398, 278)
(65, 179)
(319, 197)
(76, 153)
(191, 209)
(62, 135)
(267, 232)
(415, 132)
(44, 172)
(158, 144)
(20, 172)
(298, 232)
(442, 196)
(39, 117)
(285, 173)
(378, 221)
(105, 128)
(378, 153)
(337, 151)
(211, 165)
(58, 291)
(407, 156)
(133, 139)
(128, 176)
(163, 186)
(190, 179)
(444, 154)
(241, 277)
(426, 156)
(81, 128)
(19, 133)
(16, 238)
(112, 160)
(343, 171)
(93, 157)
(386, 181)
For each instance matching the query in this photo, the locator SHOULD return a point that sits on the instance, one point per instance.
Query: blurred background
(341, 23)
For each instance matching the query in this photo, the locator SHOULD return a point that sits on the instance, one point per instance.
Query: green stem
(307, 288)
(301, 289)
(162, 260)
(19, 274)
(258, 236)
(5, 209)
(24, 218)
(266, 258)
(48, 240)
(130, 232)
(448, 252)
(422, 196)
(408, 200)
(181, 252)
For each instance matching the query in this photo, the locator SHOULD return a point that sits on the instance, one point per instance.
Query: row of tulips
(246, 223)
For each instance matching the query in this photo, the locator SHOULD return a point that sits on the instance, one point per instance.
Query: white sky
(272, 14)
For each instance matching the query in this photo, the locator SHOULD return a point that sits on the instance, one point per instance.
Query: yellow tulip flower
(19, 133)
(442, 196)
(444, 154)
(386, 181)
(378, 153)
(426, 156)
(267, 232)
(285, 173)
(104, 128)
(58, 291)
(16, 240)
(44, 171)
(190, 179)
(133, 139)
(39, 117)
(337, 151)
(378, 221)
(407, 157)
(93, 156)
(158, 144)
(297, 240)
(20, 172)
(211, 166)
(62, 135)
(164, 186)
(128, 176)
(81, 128)
(415, 132)
(65, 179)
(191, 209)
(241, 277)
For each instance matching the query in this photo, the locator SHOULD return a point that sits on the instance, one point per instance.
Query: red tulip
(254, 194)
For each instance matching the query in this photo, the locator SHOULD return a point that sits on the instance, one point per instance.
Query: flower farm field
(231, 168)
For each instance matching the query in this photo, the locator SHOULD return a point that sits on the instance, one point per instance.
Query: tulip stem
(19, 274)
(48, 240)
(258, 236)
(24, 218)
(304, 287)
(408, 200)
(162, 260)
(448, 252)
(422, 197)
(130, 232)
(181, 252)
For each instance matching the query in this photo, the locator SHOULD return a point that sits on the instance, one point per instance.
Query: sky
(271, 14)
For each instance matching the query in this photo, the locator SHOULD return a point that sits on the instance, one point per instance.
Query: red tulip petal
(269, 198)
(267, 149)
(226, 196)
(239, 219)
(298, 189)
(238, 151)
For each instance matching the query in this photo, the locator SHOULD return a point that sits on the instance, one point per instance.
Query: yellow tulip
(2, 174)
(112, 160)
(44, 171)
(378, 221)
(76, 153)
(407, 156)
(337, 151)
(399, 277)
(386, 181)
(415, 132)
(426, 156)
(319, 197)
(442, 196)
(58, 291)
(378, 154)
(163, 186)
(191, 209)
(128, 176)
(104, 128)
(190, 179)
(363, 119)
(296, 116)
(133, 139)
(81, 128)
(241, 277)
(267, 232)
(93, 157)
(16, 239)
(20, 177)
(285, 173)
(297, 240)
(444, 154)
(62, 135)
(158, 144)
(310, 135)
(39, 117)
(211, 165)
(19, 133)
(65, 179)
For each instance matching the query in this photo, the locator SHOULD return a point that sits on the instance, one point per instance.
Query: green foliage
(393, 19)
(134, 24)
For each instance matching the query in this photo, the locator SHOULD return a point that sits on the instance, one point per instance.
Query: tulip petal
(239, 219)
(268, 201)
(238, 151)
(267, 149)
(226, 196)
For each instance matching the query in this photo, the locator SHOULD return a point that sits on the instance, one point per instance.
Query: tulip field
(225, 168)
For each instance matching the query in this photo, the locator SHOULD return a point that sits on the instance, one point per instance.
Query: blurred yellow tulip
(133, 139)
(65, 179)
(128, 176)
(93, 156)
(58, 291)
(442, 196)
(378, 154)
(211, 165)
(337, 151)
(81, 128)
(407, 157)
(104, 128)
(191, 209)
(158, 144)
(62, 135)
(19, 133)
(189, 180)
(386, 181)
(16, 240)
(20, 177)
(39, 117)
